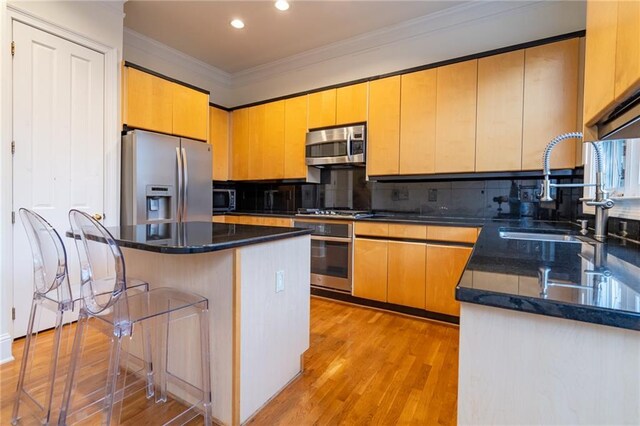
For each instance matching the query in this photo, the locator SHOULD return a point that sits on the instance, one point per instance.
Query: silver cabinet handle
(349, 145)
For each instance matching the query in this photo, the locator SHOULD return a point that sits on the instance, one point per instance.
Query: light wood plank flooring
(363, 367)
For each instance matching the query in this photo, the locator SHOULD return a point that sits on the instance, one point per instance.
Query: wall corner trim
(5, 348)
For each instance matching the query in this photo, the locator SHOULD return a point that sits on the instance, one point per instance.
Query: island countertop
(197, 237)
(590, 282)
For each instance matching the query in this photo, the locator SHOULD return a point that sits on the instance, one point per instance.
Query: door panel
(370, 269)
(383, 157)
(198, 194)
(445, 265)
(58, 105)
(407, 271)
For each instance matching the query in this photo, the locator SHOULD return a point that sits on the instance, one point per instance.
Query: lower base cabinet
(370, 269)
(254, 220)
(445, 265)
(406, 274)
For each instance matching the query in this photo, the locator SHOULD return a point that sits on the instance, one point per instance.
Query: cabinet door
(627, 77)
(273, 141)
(600, 54)
(550, 102)
(257, 127)
(190, 112)
(295, 130)
(240, 149)
(219, 140)
(456, 117)
(499, 118)
(351, 104)
(418, 122)
(384, 127)
(322, 109)
(370, 269)
(406, 274)
(148, 102)
(445, 265)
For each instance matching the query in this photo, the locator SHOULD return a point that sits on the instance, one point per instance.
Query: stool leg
(162, 347)
(112, 380)
(73, 365)
(205, 360)
(25, 360)
(54, 364)
(147, 355)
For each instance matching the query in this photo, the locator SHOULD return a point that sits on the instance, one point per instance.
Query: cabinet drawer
(415, 232)
(372, 229)
(453, 234)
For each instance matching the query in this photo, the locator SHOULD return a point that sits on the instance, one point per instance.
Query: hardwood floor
(363, 367)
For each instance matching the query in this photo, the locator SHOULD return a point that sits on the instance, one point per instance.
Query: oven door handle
(332, 239)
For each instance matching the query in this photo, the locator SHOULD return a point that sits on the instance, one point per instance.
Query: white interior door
(58, 129)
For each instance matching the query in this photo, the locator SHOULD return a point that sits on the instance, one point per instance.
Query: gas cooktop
(335, 213)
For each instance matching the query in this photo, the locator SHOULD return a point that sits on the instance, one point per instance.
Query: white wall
(462, 30)
(101, 22)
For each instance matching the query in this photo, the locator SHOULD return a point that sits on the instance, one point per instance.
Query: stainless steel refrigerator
(164, 179)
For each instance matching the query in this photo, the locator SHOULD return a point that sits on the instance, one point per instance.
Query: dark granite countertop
(197, 237)
(586, 281)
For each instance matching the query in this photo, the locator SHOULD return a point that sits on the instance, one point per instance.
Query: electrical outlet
(279, 281)
(433, 195)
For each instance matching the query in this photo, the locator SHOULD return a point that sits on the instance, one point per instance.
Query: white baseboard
(5, 348)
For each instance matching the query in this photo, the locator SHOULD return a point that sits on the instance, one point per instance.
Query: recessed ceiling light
(237, 23)
(282, 5)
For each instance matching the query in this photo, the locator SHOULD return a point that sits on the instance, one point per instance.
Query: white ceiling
(201, 28)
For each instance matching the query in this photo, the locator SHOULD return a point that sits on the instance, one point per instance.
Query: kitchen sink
(545, 236)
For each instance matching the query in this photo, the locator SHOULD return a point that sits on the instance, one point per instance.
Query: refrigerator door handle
(185, 185)
(179, 203)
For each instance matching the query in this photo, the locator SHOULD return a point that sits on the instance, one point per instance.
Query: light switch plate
(279, 281)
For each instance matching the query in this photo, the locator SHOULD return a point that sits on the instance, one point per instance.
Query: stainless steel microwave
(337, 146)
(224, 200)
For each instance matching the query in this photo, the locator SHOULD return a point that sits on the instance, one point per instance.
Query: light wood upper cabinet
(627, 64)
(456, 117)
(295, 131)
(445, 265)
(370, 269)
(219, 140)
(550, 102)
(257, 128)
(240, 146)
(148, 101)
(406, 273)
(351, 103)
(600, 59)
(322, 109)
(273, 141)
(418, 122)
(190, 112)
(500, 108)
(384, 127)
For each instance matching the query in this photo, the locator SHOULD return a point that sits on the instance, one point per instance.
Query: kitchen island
(256, 279)
(549, 330)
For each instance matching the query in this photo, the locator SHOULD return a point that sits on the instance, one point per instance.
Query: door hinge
(13, 48)
(13, 217)
(13, 314)
(13, 147)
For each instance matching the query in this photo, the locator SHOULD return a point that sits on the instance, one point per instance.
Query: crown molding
(116, 7)
(139, 41)
(413, 28)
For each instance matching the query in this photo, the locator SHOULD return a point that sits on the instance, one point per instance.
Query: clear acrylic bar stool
(52, 291)
(110, 308)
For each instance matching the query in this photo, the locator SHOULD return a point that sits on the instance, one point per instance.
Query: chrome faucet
(602, 202)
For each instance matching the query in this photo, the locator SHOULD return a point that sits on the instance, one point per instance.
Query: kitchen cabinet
(190, 112)
(351, 103)
(253, 220)
(500, 112)
(219, 140)
(273, 141)
(384, 127)
(257, 116)
(452, 234)
(456, 117)
(240, 148)
(295, 132)
(157, 104)
(148, 102)
(371, 229)
(550, 102)
(444, 267)
(322, 109)
(627, 65)
(370, 269)
(600, 54)
(406, 273)
(418, 122)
